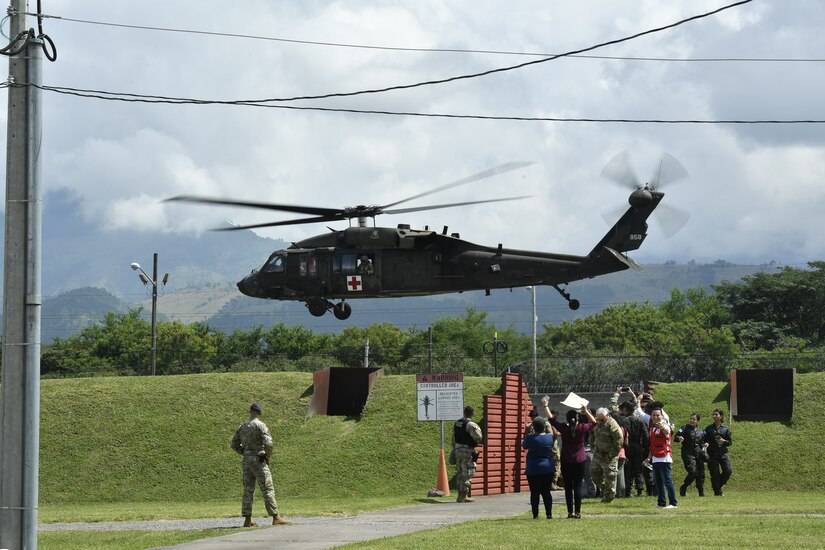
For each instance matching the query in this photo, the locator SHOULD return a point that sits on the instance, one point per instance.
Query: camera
(626, 388)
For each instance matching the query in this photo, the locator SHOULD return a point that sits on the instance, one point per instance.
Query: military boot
(247, 522)
(701, 488)
(462, 496)
(468, 498)
(683, 490)
(278, 519)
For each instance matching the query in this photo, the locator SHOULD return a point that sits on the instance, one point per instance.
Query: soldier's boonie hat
(255, 407)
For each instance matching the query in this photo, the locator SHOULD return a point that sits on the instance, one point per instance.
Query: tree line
(771, 320)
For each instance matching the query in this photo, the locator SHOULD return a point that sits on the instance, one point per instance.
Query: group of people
(630, 446)
(618, 442)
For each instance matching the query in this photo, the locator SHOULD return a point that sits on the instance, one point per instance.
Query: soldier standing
(607, 442)
(253, 442)
(466, 435)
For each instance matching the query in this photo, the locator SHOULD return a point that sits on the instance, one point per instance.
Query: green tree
(183, 349)
(387, 345)
(768, 309)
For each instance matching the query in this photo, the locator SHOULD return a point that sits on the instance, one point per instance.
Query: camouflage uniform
(607, 440)
(465, 466)
(250, 440)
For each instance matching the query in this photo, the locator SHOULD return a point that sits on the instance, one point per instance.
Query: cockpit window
(275, 264)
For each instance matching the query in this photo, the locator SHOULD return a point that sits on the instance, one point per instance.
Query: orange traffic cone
(443, 484)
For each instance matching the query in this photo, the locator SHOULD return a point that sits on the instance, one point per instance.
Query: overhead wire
(138, 98)
(271, 102)
(258, 102)
(422, 49)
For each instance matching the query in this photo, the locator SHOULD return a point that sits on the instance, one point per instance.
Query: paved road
(327, 532)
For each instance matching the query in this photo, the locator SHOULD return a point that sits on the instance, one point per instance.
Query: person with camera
(661, 457)
(719, 438)
(573, 435)
(540, 467)
(253, 442)
(466, 435)
(637, 441)
(694, 453)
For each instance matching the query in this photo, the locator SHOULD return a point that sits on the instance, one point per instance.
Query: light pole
(532, 289)
(145, 279)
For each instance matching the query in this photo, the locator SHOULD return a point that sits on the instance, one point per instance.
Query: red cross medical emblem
(354, 283)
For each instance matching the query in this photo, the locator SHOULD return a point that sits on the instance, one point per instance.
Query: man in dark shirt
(718, 438)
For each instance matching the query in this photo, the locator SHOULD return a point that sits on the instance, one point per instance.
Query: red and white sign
(354, 283)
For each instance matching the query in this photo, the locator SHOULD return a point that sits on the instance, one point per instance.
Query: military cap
(256, 407)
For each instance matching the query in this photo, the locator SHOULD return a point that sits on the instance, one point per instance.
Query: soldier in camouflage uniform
(607, 441)
(253, 442)
(466, 435)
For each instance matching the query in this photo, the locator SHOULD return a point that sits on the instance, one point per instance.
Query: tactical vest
(460, 434)
(659, 443)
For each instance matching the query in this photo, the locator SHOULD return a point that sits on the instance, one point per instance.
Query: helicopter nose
(249, 286)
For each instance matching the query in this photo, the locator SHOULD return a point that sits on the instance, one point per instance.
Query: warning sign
(440, 396)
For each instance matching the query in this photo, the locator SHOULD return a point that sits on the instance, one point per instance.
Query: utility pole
(535, 360)
(154, 313)
(430, 355)
(20, 410)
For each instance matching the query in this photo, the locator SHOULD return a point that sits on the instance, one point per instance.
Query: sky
(755, 192)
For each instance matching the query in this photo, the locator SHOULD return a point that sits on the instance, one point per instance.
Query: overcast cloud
(756, 192)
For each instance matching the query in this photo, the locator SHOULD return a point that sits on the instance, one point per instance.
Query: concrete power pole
(20, 408)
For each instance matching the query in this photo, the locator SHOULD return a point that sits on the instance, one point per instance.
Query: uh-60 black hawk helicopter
(378, 262)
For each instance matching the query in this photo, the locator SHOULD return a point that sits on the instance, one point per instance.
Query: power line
(260, 102)
(139, 98)
(426, 50)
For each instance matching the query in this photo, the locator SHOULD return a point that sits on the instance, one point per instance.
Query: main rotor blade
(620, 171)
(668, 171)
(297, 221)
(437, 206)
(253, 204)
(480, 176)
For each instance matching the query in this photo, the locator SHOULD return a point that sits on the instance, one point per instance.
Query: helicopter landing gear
(571, 303)
(317, 306)
(342, 310)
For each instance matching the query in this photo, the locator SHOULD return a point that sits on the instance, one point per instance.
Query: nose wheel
(572, 303)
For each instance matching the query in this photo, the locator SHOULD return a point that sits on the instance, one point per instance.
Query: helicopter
(362, 261)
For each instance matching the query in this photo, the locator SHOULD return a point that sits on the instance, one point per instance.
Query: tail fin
(629, 232)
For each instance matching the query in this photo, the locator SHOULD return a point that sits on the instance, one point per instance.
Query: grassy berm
(166, 440)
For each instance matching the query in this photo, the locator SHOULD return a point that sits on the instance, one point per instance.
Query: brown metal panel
(320, 392)
(500, 467)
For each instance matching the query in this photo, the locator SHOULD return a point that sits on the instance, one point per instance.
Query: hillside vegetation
(119, 440)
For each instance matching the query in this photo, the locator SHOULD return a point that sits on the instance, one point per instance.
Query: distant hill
(72, 311)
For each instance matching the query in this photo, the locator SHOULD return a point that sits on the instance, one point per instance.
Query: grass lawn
(738, 520)
(148, 511)
(122, 540)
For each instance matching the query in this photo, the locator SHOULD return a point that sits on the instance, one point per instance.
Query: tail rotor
(667, 171)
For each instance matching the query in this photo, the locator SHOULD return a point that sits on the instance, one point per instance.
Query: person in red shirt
(661, 457)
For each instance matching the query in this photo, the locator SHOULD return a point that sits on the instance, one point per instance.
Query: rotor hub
(640, 197)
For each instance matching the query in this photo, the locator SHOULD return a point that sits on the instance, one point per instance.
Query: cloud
(752, 195)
